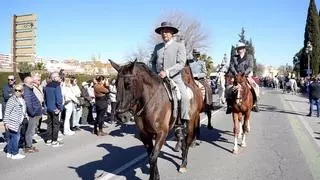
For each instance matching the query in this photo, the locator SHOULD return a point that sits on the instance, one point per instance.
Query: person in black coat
(314, 96)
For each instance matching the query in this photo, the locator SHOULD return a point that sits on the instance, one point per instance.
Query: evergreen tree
(312, 34)
(232, 54)
(296, 62)
(242, 36)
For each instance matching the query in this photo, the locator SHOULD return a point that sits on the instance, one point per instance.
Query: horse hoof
(235, 151)
(193, 144)
(210, 127)
(182, 170)
(243, 145)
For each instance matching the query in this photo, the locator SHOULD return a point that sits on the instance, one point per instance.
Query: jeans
(31, 130)
(316, 102)
(85, 113)
(53, 126)
(100, 118)
(13, 142)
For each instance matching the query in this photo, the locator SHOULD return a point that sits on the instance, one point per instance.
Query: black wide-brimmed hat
(166, 25)
(195, 52)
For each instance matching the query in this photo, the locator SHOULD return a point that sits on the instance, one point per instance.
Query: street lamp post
(308, 51)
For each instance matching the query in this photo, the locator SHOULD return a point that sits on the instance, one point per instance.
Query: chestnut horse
(141, 95)
(242, 103)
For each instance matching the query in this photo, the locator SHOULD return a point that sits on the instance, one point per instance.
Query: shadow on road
(215, 135)
(270, 108)
(116, 157)
(125, 129)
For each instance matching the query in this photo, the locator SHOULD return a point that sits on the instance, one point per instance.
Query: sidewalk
(300, 106)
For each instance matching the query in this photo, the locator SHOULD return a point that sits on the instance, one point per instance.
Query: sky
(115, 28)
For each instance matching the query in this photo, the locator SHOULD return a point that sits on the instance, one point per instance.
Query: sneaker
(56, 144)
(9, 155)
(18, 156)
(60, 138)
(48, 142)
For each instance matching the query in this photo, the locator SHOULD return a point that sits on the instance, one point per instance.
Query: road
(283, 144)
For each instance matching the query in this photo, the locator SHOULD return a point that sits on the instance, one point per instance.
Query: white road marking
(113, 174)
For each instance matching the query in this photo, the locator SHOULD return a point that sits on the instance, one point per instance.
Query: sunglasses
(18, 90)
(10, 79)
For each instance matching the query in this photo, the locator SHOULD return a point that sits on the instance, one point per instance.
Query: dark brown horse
(141, 95)
(242, 103)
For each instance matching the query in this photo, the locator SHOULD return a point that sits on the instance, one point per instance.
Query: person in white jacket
(113, 99)
(77, 109)
(69, 101)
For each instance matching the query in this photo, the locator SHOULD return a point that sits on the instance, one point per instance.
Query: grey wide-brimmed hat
(166, 25)
(240, 45)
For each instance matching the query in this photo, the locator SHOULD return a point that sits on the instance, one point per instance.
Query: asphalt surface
(283, 144)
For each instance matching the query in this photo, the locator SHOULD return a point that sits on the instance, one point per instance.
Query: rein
(145, 104)
(243, 96)
(135, 104)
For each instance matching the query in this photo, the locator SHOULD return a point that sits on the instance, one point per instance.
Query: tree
(209, 63)
(191, 31)
(25, 67)
(39, 66)
(296, 62)
(142, 54)
(312, 34)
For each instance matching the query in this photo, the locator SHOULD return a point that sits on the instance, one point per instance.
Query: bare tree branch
(191, 31)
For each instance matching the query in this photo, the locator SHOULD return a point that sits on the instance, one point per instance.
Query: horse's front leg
(153, 158)
(235, 117)
(246, 128)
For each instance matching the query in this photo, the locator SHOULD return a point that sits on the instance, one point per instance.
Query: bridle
(132, 108)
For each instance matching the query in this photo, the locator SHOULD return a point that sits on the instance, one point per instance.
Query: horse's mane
(142, 67)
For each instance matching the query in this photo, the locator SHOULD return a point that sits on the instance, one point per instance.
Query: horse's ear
(114, 65)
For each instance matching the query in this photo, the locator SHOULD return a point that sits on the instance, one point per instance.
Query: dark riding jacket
(238, 64)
